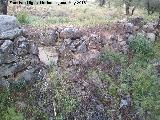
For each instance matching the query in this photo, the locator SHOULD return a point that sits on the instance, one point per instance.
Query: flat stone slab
(48, 55)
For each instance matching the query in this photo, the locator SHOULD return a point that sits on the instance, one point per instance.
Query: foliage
(55, 20)
(139, 79)
(64, 103)
(32, 111)
(151, 6)
(23, 17)
(143, 84)
(142, 80)
(113, 56)
(4, 102)
(11, 114)
(146, 92)
(142, 48)
(7, 109)
(104, 77)
(38, 114)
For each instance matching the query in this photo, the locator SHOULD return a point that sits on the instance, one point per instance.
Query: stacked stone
(19, 61)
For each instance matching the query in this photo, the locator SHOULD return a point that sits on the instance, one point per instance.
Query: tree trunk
(128, 5)
(102, 2)
(150, 8)
(158, 25)
(133, 10)
(3, 6)
(127, 10)
(109, 4)
(159, 20)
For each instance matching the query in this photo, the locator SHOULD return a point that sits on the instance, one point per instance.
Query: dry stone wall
(19, 61)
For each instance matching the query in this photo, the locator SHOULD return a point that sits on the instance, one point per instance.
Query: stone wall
(19, 61)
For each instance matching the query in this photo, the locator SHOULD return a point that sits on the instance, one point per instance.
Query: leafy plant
(5, 102)
(113, 56)
(142, 80)
(23, 17)
(142, 48)
(7, 108)
(146, 92)
(64, 103)
(104, 77)
(139, 79)
(11, 114)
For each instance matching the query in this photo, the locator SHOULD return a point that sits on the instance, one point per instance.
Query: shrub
(11, 114)
(139, 79)
(146, 95)
(64, 103)
(5, 102)
(113, 56)
(142, 48)
(18, 85)
(7, 109)
(23, 17)
(143, 84)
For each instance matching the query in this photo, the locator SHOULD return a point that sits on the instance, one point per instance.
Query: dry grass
(73, 15)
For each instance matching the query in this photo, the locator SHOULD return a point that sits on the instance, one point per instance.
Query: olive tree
(152, 6)
(130, 5)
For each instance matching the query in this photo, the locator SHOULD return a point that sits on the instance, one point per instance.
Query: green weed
(142, 48)
(113, 56)
(64, 103)
(7, 108)
(23, 17)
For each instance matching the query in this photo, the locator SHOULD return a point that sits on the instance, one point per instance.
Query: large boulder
(149, 27)
(48, 55)
(71, 33)
(151, 36)
(8, 23)
(129, 27)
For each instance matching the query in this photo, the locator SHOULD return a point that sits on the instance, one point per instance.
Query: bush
(142, 48)
(113, 56)
(146, 96)
(5, 102)
(64, 103)
(23, 17)
(11, 114)
(7, 109)
(143, 84)
(139, 79)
